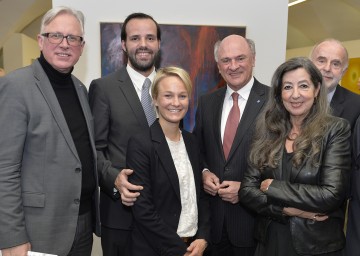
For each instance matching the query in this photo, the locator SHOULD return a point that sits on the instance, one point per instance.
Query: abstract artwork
(351, 79)
(187, 46)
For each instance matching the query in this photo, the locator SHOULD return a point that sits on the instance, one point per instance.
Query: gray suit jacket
(40, 185)
(118, 115)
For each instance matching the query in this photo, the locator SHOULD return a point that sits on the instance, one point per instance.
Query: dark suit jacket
(40, 181)
(353, 224)
(311, 188)
(157, 209)
(346, 104)
(238, 220)
(118, 115)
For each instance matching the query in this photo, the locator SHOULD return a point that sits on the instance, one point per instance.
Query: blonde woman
(170, 215)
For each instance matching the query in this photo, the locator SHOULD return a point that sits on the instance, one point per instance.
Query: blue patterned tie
(146, 102)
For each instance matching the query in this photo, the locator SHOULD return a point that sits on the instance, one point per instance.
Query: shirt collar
(137, 78)
(330, 95)
(244, 92)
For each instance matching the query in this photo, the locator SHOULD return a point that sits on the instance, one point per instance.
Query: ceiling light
(296, 2)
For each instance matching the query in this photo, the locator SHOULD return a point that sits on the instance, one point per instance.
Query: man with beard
(118, 104)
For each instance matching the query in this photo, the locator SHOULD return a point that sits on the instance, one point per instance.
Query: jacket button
(77, 170)
(77, 201)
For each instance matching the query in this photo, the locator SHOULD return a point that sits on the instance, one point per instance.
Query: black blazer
(239, 221)
(346, 104)
(315, 189)
(157, 210)
(118, 115)
(353, 224)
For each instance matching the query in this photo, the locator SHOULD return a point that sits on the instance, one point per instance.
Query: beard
(143, 65)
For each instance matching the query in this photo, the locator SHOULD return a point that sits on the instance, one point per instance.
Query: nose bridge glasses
(57, 38)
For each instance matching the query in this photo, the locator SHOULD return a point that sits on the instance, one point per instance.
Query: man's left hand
(229, 191)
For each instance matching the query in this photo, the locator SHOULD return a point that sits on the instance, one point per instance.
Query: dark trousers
(226, 248)
(83, 240)
(115, 242)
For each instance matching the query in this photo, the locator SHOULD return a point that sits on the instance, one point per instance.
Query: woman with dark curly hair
(298, 167)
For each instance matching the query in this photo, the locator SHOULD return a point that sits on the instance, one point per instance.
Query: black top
(65, 92)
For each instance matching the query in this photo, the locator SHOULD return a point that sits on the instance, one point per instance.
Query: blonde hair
(168, 72)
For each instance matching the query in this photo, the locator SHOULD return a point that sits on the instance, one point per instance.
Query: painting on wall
(351, 79)
(188, 46)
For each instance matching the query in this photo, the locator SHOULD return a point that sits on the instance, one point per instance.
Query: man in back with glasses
(48, 180)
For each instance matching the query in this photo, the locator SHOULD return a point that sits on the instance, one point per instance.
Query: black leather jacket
(315, 189)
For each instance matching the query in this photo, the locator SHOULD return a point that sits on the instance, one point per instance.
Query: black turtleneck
(64, 89)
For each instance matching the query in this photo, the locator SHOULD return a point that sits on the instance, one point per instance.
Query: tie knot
(147, 83)
(235, 96)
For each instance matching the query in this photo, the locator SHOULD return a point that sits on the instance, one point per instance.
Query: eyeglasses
(57, 38)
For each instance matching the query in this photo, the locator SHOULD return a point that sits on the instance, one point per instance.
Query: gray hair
(54, 12)
(331, 40)
(250, 42)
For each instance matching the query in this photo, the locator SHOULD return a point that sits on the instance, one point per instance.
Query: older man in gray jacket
(48, 181)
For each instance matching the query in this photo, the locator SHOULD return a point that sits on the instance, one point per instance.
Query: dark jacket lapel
(256, 100)
(337, 101)
(193, 154)
(162, 153)
(126, 85)
(218, 107)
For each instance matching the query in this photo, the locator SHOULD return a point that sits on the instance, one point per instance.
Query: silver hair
(333, 40)
(216, 49)
(250, 42)
(54, 12)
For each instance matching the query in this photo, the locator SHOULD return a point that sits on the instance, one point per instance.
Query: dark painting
(186, 46)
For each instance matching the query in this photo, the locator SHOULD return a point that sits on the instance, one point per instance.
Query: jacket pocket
(33, 199)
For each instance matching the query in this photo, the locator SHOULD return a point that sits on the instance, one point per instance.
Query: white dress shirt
(138, 79)
(244, 93)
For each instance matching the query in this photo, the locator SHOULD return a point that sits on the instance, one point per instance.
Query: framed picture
(188, 46)
(351, 79)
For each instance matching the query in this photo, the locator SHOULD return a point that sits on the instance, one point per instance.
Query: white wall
(351, 46)
(266, 23)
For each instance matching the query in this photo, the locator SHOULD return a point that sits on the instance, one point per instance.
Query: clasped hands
(227, 190)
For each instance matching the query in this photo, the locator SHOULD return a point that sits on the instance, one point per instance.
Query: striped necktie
(146, 102)
(232, 123)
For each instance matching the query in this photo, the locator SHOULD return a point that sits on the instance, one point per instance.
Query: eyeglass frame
(63, 36)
